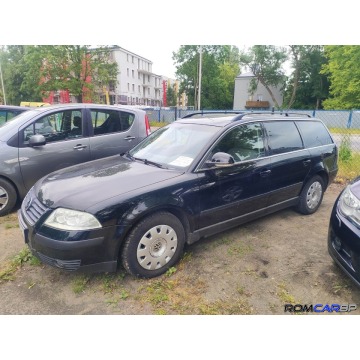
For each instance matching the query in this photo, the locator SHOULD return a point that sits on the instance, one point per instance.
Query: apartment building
(259, 100)
(136, 83)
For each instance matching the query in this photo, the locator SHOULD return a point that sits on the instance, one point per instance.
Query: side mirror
(37, 140)
(221, 159)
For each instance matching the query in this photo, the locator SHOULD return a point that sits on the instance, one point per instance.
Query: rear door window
(283, 136)
(314, 133)
(110, 121)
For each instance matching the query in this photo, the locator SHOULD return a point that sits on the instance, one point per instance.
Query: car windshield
(175, 145)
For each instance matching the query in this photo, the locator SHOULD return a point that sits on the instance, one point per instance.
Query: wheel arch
(179, 213)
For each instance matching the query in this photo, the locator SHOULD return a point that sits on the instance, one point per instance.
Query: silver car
(42, 140)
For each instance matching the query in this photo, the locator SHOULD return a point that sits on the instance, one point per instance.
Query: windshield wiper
(149, 162)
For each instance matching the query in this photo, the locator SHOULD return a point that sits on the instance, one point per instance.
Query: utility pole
(2, 84)
(200, 66)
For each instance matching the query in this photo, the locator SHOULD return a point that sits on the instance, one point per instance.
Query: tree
(21, 83)
(220, 66)
(79, 69)
(33, 71)
(171, 96)
(266, 63)
(343, 71)
(307, 87)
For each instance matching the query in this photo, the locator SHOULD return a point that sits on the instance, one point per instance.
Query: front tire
(154, 245)
(8, 197)
(311, 196)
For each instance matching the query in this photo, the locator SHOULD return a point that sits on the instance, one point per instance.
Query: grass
(351, 131)
(284, 295)
(24, 256)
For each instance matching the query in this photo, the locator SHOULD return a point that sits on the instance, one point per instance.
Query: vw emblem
(28, 203)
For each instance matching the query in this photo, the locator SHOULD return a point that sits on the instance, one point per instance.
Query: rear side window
(110, 121)
(314, 133)
(283, 136)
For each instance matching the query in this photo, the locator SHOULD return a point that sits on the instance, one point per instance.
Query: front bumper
(83, 251)
(344, 245)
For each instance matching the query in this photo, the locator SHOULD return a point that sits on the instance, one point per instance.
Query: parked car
(344, 231)
(188, 180)
(45, 139)
(8, 112)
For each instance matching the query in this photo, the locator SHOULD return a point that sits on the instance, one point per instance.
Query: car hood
(85, 185)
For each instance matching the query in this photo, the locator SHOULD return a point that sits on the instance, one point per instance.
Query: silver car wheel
(157, 247)
(4, 198)
(313, 195)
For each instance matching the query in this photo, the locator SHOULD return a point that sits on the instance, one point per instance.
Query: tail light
(147, 125)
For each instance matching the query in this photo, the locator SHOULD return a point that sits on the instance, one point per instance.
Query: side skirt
(228, 224)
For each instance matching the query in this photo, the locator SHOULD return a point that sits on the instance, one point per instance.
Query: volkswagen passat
(188, 180)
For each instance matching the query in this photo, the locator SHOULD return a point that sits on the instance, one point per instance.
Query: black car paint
(343, 230)
(205, 200)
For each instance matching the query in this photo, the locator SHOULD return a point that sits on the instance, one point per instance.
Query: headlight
(350, 205)
(65, 219)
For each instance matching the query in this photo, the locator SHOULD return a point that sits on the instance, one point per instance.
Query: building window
(132, 60)
(133, 73)
(127, 70)
(133, 87)
(139, 90)
(128, 86)
(139, 76)
(148, 91)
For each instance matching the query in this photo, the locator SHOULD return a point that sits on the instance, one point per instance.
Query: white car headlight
(66, 219)
(350, 205)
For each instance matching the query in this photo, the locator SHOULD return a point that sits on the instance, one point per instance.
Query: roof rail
(205, 113)
(240, 116)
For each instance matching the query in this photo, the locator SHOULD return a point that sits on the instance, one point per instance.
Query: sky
(155, 30)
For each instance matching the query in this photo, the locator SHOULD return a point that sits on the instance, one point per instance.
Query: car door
(114, 132)
(63, 148)
(239, 191)
(290, 161)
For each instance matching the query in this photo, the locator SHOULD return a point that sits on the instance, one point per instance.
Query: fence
(344, 126)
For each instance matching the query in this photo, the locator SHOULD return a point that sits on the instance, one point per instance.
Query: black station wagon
(193, 178)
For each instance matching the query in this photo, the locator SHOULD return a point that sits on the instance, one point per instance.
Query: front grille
(32, 208)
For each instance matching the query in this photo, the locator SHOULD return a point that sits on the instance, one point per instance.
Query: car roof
(222, 119)
(83, 106)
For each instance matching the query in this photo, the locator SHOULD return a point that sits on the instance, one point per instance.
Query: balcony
(257, 105)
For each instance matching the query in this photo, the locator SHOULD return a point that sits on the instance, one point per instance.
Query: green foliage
(345, 149)
(32, 71)
(343, 72)
(306, 87)
(8, 273)
(171, 96)
(220, 66)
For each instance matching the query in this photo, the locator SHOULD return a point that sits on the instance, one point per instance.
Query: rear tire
(154, 245)
(8, 197)
(311, 196)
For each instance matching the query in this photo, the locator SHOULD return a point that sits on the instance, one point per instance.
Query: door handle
(307, 162)
(130, 138)
(80, 147)
(265, 173)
